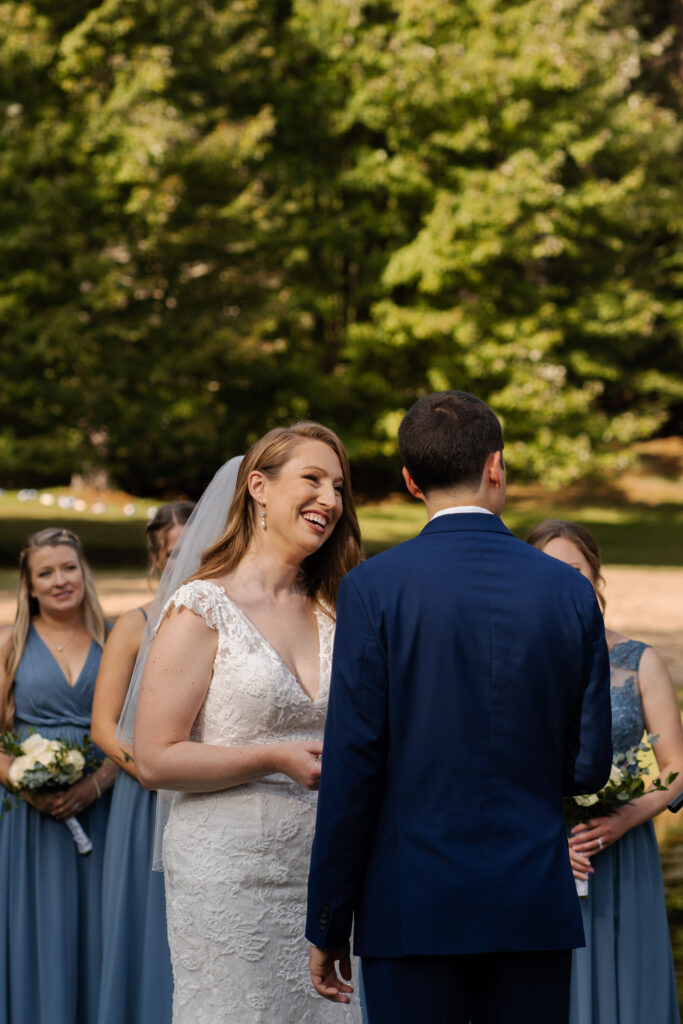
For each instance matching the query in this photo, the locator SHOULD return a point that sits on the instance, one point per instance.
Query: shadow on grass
(107, 544)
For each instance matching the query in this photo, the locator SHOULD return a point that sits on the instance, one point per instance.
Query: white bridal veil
(203, 528)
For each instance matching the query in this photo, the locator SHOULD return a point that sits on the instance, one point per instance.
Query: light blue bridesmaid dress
(50, 895)
(137, 981)
(625, 974)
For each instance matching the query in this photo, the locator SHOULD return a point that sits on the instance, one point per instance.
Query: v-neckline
(72, 686)
(274, 650)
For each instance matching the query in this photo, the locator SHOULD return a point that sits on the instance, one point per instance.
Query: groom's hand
(326, 981)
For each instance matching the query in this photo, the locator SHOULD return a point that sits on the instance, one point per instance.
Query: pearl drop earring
(263, 516)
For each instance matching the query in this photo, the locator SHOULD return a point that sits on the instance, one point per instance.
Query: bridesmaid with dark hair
(137, 984)
(50, 895)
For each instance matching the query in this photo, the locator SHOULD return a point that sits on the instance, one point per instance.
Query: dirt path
(646, 604)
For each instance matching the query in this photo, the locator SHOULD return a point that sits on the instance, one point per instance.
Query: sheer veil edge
(204, 527)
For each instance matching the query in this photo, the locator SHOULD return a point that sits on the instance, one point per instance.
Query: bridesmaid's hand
(581, 865)
(599, 833)
(43, 802)
(74, 799)
(301, 761)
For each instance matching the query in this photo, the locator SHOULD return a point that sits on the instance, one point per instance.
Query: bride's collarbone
(294, 637)
(290, 627)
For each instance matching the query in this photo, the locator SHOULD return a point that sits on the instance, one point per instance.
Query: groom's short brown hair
(446, 438)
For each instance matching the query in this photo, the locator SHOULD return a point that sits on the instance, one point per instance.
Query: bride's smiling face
(303, 503)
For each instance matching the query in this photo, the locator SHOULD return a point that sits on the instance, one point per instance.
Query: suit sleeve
(589, 757)
(353, 772)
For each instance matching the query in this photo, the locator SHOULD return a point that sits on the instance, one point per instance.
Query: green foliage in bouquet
(44, 764)
(629, 779)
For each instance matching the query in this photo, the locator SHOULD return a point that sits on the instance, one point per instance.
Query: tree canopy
(220, 217)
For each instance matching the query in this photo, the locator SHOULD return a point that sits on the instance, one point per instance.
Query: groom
(470, 690)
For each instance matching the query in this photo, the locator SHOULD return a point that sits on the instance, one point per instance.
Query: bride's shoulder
(206, 598)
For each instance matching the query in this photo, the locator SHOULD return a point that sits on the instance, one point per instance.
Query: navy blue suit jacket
(470, 691)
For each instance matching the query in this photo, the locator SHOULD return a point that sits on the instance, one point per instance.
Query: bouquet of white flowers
(627, 781)
(41, 764)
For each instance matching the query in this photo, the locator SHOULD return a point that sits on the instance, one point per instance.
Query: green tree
(541, 183)
(220, 218)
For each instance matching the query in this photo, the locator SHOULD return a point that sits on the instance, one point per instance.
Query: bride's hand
(301, 761)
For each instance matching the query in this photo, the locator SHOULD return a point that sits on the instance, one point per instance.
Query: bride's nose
(328, 495)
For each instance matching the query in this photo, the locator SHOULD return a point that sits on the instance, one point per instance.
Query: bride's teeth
(311, 517)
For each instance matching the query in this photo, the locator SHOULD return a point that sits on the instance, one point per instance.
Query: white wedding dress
(236, 861)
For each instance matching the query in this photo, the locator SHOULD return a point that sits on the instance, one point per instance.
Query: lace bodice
(628, 722)
(266, 703)
(236, 861)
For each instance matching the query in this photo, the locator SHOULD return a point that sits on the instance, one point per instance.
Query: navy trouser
(483, 988)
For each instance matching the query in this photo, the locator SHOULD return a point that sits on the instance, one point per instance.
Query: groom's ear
(411, 485)
(494, 470)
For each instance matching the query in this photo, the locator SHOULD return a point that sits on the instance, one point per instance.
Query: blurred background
(216, 218)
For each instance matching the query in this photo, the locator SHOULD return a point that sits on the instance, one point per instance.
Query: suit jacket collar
(466, 521)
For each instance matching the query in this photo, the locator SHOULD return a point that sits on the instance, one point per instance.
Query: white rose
(586, 801)
(615, 775)
(46, 757)
(37, 744)
(17, 768)
(76, 759)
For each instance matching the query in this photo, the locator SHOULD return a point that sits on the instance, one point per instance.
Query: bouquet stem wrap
(581, 887)
(83, 843)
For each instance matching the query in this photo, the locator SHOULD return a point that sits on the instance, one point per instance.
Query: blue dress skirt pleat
(625, 974)
(137, 981)
(50, 912)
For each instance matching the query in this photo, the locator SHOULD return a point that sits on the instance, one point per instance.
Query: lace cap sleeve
(202, 597)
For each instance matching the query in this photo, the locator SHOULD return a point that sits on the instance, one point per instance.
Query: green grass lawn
(628, 534)
(110, 539)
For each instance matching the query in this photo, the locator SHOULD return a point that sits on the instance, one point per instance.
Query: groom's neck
(437, 501)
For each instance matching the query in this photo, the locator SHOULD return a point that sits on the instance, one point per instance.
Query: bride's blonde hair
(28, 607)
(321, 572)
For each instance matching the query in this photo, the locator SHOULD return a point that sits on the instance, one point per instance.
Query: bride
(231, 713)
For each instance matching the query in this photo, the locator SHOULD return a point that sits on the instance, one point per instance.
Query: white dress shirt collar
(460, 508)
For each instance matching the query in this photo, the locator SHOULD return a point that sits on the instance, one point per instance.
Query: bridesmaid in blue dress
(137, 983)
(625, 973)
(50, 895)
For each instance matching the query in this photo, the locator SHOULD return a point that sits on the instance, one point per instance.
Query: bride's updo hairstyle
(540, 536)
(321, 572)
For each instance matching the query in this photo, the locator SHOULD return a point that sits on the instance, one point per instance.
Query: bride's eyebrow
(319, 469)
